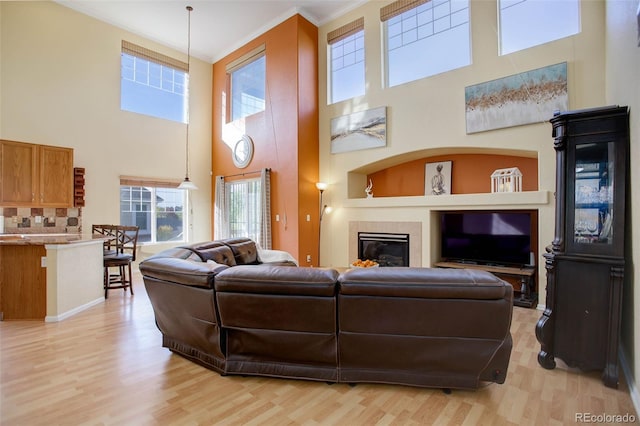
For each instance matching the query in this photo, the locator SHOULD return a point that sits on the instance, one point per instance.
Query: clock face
(242, 152)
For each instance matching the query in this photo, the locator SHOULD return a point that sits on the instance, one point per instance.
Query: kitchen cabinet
(49, 276)
(23, 283)
(586, 261)
(35, 175)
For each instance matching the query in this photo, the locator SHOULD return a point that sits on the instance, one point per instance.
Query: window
(346, 56)
(158, 211)
(153, 84)
(528, 23)
(245, 210)
(242, 208)
(424, 38)
(247, 77)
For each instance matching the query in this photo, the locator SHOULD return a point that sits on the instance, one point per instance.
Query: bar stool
(125, 253)
(108, 232)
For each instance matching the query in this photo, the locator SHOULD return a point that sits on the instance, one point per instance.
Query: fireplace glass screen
(385, 248)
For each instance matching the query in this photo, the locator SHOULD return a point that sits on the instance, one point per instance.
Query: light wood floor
(106, 366)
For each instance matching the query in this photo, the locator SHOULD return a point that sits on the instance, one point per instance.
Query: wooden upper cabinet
(35, 175)
(56, 176)
(19, 173)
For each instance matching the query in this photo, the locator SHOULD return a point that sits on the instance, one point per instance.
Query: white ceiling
(218, 27)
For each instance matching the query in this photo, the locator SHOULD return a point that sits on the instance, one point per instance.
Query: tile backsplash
(32, 220)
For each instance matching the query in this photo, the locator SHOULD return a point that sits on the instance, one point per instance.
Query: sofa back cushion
(215, 251)
(244, 250)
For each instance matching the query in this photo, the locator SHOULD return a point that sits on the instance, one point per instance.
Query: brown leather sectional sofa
(218, 305)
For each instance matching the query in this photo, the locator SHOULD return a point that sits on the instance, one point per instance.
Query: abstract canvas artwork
(359, 130)
(528, 97)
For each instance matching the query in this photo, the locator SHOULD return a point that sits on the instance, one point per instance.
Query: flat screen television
(501, 238)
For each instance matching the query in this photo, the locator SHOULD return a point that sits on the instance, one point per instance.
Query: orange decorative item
(365, 264)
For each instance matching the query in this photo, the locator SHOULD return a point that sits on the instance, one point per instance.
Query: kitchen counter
(41, 239)
(49, 276)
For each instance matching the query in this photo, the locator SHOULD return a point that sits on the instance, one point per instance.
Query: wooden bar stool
(109, 234)
(125, 253)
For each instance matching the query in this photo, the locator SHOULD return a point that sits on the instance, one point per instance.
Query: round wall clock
(242, 152)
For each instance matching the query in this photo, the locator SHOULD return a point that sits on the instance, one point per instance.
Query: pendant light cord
(189, 9)
(186, 169)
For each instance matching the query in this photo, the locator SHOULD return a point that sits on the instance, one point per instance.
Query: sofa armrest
(182, 271)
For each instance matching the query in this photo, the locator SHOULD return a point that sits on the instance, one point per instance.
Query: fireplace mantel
(530, 198)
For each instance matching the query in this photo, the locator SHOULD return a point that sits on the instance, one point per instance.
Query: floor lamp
(323, 207)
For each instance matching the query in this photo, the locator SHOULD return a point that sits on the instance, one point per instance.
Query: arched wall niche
(471, 169)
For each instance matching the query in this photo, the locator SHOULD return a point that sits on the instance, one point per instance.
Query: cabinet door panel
(19, 174)
(595, 193)
(24, 284)
(583, 294)
(56, 177)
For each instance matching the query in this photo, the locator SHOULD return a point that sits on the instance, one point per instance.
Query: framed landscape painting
(359, 130)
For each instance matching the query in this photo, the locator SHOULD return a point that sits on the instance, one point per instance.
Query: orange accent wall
(470, 174)
(285, 135)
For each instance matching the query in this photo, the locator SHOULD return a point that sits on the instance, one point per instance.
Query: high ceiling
(218, 27)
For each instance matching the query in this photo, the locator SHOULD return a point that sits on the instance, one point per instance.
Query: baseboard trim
(65, 315)
(633, 388)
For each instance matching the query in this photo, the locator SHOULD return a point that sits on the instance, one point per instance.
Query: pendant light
(186, 183)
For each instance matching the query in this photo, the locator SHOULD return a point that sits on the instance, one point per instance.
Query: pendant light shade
(186, 183)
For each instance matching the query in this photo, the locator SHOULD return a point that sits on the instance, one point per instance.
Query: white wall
(60, 85)
(623, 88)
(427, 117)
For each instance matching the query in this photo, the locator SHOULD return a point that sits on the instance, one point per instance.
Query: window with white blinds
(244, 203)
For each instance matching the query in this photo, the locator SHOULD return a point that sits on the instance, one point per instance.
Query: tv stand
(524, 276)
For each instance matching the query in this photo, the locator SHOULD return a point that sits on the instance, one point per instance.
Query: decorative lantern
(506, 180)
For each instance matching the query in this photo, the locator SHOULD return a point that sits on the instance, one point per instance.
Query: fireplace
(388, 249)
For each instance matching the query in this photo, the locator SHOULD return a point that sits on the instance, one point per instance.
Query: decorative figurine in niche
(369, 189)
(437, 182)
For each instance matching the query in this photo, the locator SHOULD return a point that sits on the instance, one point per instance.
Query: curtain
(243, 209)
(265, 208)
(220, 213)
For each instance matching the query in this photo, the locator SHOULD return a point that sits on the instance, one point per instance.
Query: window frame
(153, 83)
(352, 32)
(404, 9)
(152, 186)
(543, 38)
(252, 228)
(242, 62)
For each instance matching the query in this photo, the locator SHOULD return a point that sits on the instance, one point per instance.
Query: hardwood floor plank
(106, 366)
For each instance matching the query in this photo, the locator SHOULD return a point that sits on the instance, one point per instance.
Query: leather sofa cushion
(181, 271)
(222, 255)
(176, 252)
(244, 250)
(432, 283)
(270, 279)
(215, 251)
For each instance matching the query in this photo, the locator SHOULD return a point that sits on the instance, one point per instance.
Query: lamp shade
(187, 184)
(321, 186)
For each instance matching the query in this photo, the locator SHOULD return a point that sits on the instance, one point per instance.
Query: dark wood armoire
(585, 263)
